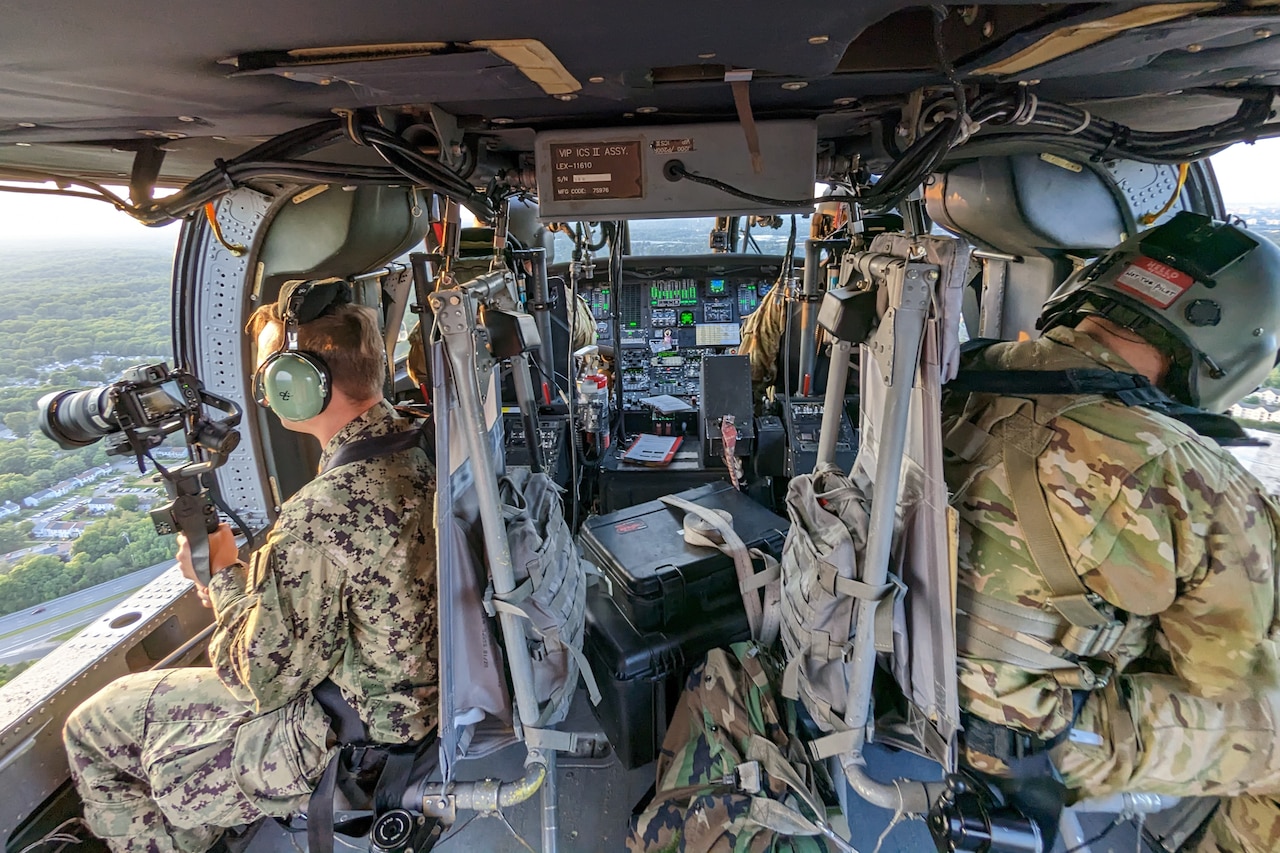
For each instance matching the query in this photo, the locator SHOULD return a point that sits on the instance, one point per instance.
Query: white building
(1267, 413)
(59, 530)
(101, 504)
(38, 498)
(1267, 396)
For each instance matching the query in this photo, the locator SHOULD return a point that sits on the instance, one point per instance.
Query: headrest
(307, 300)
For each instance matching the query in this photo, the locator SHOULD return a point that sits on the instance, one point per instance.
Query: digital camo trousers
(164, 761)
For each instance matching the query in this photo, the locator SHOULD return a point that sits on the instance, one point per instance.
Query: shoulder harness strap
(1131, 389)
(381, 445)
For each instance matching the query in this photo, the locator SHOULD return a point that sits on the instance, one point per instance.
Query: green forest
(70, 320)
(121, 543)
(106, 305)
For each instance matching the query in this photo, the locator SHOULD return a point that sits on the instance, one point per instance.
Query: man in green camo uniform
(343, 589)
(1121, 614)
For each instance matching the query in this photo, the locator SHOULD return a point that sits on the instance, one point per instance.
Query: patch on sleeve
(1153, 282)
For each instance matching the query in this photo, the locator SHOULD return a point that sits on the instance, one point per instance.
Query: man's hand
(222, 553)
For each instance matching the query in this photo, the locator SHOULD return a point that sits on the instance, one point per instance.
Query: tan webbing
(1070, 596)
(1031, 621)
(762, 619)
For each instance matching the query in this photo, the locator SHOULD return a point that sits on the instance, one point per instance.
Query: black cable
(677, 170)
(235, 519)
(1101, 835)
(615, 283)
(784, 276)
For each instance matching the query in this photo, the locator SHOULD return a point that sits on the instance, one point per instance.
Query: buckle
(1090, 642)
(999, 742)
(1086, 675)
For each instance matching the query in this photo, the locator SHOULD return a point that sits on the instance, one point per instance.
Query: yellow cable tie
(1148, 218)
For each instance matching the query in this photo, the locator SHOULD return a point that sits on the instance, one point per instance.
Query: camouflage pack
(731, 779)
(820, 593)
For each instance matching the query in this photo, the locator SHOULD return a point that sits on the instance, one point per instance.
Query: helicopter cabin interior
(481, 173)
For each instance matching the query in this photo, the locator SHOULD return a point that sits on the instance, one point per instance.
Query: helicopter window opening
(85, 295)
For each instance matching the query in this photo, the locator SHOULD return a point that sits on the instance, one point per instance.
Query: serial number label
(672, 146)
(603, 170)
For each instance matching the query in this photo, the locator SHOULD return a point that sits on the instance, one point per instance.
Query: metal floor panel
(596, 796)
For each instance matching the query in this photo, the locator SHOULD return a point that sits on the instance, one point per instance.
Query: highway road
(30, 633)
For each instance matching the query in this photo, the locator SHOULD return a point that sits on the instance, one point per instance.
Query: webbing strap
(836, 743)
(394, 778)
(1006, 614)
(737, 549)
(320, 807)
(832, 582)
(381, 445)
(771, 572)
(551, 634)
(978, 640)
(1070, 596)
(550, 739)
(791, 677)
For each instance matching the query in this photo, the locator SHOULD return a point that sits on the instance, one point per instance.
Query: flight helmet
(1204, 292)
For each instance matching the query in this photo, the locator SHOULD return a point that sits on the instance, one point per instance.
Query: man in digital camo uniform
(1117, 569)
(343, 589)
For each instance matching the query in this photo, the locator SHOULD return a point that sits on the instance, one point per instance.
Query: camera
(135, 413)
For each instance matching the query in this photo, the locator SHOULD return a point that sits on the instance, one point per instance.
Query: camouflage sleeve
(1188, 539)
(278, 622)
(1218, 626)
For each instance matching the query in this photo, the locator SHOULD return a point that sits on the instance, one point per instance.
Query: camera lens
(76, 418)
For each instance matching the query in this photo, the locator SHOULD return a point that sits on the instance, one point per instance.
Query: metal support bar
(809, 315)
(833, 405)
(550, 827)
(902, 795)
(995, 279)
(897, 346)
(486, 795)
(455, 313)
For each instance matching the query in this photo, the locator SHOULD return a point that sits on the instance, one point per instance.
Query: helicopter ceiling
(84, 90)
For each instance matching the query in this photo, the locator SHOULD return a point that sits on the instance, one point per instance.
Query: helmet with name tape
(1205, 293)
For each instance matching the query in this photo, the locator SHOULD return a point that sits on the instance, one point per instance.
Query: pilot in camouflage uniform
(343, 589)
(1158, 672)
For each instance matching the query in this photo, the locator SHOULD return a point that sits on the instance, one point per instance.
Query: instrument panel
(671, 312)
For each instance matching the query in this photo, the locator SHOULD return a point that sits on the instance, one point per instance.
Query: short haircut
(348, 340)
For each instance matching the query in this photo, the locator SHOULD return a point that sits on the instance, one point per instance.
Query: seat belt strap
(380, 445)
(320, 807)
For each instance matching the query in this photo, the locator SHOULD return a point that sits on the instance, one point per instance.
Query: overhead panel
(421, 71)
(1067, 40)
(633, 173)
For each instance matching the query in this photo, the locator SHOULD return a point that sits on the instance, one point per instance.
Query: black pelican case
(641, 674)
(659, 581)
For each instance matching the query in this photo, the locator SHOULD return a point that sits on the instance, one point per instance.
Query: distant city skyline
(1247, 174)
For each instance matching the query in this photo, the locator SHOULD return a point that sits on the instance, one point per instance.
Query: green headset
(293, 383)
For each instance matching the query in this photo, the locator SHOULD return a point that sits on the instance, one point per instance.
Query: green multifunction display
(672, 293)
(667, 323)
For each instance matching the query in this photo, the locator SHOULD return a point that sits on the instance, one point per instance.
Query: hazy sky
(1246, 173)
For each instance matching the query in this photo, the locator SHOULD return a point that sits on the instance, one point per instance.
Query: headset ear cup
(296, 385)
